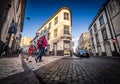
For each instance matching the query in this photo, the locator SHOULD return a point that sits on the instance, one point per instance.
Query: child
(30, 52)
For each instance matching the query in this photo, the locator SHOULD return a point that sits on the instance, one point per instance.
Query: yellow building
(84, 41)
(25, 41)
(58, 32)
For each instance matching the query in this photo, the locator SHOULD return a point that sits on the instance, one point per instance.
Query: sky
(39, 11)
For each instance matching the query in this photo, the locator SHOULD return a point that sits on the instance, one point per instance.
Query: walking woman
(42, 43)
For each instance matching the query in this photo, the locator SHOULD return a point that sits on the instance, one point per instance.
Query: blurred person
(4, 49)
(42, 43)
(30, 52)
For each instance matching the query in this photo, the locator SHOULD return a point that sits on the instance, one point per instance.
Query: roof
(55, 15)
(99, 12)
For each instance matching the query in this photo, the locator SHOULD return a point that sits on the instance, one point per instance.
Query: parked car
(83, 53)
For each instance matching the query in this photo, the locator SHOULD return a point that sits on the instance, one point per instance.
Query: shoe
(40, 60)
(36, 60)
(30, 61)
(27, 59)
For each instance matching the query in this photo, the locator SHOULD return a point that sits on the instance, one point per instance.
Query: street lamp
(28, 18)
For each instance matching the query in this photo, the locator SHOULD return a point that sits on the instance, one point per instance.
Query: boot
(36, 60)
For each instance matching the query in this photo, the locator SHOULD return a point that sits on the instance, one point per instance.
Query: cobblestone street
(16, 70)
(60, 70)
(93, 70)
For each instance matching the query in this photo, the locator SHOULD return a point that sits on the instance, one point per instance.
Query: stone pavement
(45, 60)
(91, 70)
(16, 70)
(59, 70)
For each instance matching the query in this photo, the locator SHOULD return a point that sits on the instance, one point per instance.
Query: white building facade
(58, 32)
(104, 41)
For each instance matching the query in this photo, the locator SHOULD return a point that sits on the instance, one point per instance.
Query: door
(55, 49)
(108, 50)
(99, 51)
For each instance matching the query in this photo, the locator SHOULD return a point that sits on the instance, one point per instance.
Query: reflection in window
(56, 20)
(66, 30)
(104, 34)
(66, 16)
(95, 27)
(101, 20)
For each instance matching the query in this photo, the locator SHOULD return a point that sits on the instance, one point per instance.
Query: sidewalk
(16, 70)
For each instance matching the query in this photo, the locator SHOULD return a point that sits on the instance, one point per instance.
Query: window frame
(104, 34)
(66, 30)
(56, 20)
(101, 20)
(66, 16)
(95, 27)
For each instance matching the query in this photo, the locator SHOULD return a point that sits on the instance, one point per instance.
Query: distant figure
(30, 52)
(71, 52)
(4, 49)
(42, 43)
(20, 50)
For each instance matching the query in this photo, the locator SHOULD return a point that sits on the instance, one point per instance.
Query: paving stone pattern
(91, 70)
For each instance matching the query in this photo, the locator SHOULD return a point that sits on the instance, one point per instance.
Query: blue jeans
(41, 53)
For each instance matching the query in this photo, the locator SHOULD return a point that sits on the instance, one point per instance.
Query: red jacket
(44, 42)
(39, 43)
(30, 51)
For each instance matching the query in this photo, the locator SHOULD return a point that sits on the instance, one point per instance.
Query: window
(95, 27)
(104, 34)
(41, 32)
(56, 20)
(66, 16)
(44, 29)
(49, 26)
(91, 32)
(92, 41)
(66, 30)
(48, 36)
(55, 32)
(101, 20)
(97, 39)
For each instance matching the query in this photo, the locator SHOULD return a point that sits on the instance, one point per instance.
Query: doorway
(55, 49)
(108, 50)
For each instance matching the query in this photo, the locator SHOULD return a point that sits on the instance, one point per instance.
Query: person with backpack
(42, 43)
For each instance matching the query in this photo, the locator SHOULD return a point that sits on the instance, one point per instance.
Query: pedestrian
(71, 52)
(30, 52)
(4, 49)
(20, 50)
(42, 43)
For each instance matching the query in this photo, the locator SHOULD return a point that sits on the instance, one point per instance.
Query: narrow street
(16, 70)
(93, 70)
(60, 70)
(59, 42)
